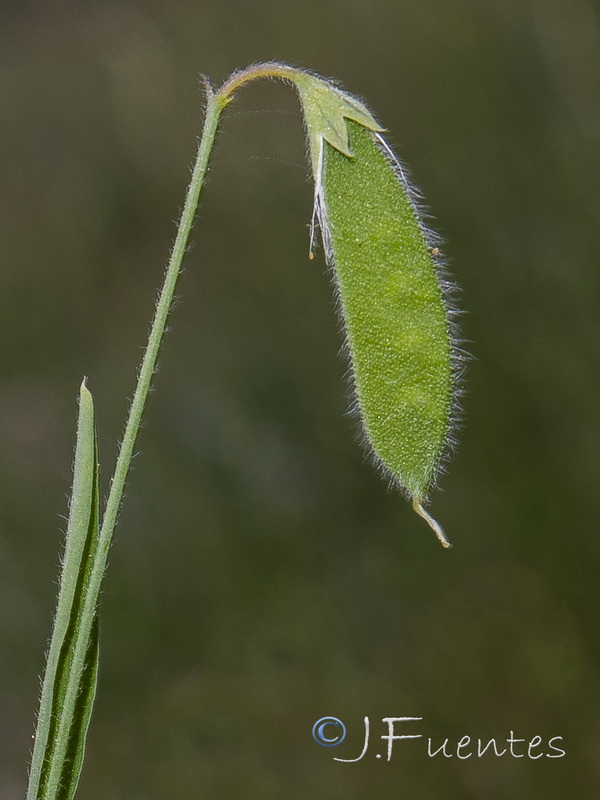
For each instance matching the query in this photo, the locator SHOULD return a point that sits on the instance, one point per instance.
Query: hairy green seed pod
(392, 301)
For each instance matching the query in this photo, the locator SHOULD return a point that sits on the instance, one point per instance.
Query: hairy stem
(214, 108)
(79, 645)
(267, 69)
(213, 112)
(215, 105)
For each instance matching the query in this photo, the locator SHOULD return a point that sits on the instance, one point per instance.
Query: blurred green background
(263, 575)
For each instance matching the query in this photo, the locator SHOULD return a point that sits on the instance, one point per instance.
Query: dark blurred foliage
(263, 575)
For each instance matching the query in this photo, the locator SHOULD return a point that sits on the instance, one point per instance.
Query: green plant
(400, 346)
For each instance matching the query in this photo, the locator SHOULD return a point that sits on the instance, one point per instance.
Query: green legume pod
(393, 309)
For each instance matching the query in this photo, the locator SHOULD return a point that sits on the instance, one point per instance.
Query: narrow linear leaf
(62, 726)
(73, 762)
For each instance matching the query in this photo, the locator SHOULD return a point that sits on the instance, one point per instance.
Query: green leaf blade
(73, 763)
(63, 724)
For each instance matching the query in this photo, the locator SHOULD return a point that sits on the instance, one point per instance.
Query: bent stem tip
(433, 524)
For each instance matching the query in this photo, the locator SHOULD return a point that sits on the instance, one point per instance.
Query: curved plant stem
(267, 69)
(216, 102)
(46, 779)
(86, 621)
